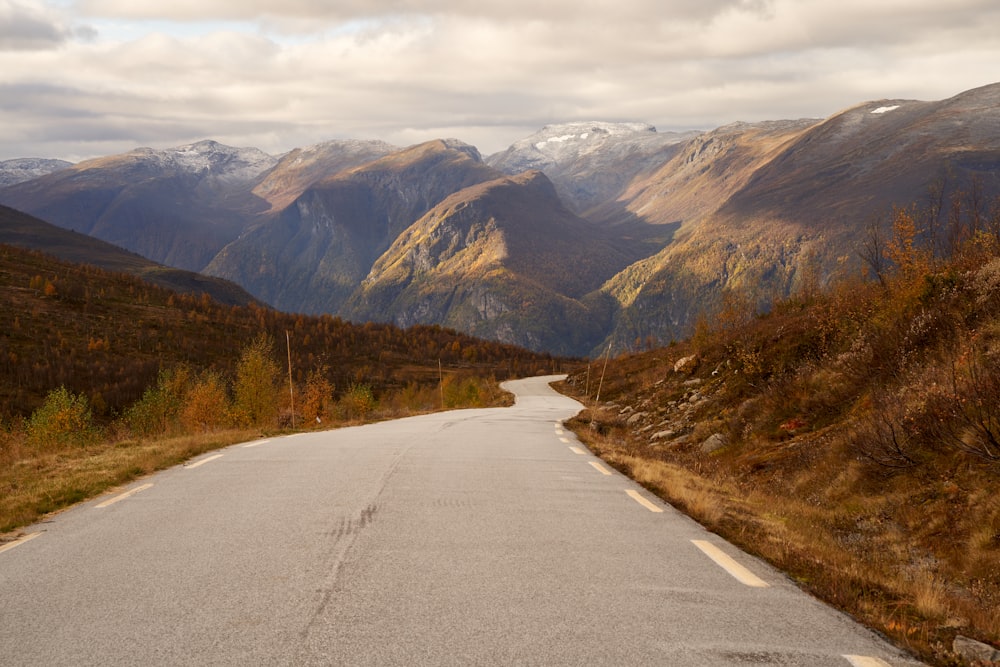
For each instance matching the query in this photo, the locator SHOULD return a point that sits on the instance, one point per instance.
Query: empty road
(475, 537)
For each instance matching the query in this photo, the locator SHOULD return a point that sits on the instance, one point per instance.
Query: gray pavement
(474, 537)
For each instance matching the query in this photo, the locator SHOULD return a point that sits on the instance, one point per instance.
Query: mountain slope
(312, 254)
(799, 211)
(178, 206)
(25, 231)
(590, 163)
(503, 259)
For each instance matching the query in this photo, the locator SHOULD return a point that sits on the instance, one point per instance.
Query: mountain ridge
(762, 207)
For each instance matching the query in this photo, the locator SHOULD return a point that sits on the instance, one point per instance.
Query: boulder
(686, 365)
(714, 443)
(970, 649)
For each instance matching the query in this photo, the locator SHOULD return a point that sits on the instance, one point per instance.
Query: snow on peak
(885, 109)
(212, 158)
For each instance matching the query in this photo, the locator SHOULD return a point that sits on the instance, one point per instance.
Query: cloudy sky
(81, 78)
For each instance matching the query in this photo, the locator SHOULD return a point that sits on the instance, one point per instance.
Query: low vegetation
(850, 435)
(104, 378)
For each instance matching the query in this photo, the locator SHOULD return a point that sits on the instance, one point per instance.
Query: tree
(256, 390)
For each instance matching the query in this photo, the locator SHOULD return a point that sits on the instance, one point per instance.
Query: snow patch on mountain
(885, 109)
(210, 158)
(20, 170)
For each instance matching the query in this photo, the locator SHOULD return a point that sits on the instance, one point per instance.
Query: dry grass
(34, 484)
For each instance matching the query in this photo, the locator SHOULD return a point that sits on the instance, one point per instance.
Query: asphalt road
(474, 537)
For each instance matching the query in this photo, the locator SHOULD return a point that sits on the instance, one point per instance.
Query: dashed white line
(564, 440)
(637, 497)
(576, 450)
(740, 573)
(18, 542)
(123, 496)
(866, 661)
(255, 444)
(203, 461)
(559, 431)
(599, 468)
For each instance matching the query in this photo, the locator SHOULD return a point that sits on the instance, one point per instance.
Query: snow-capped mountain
(20, 170)
(590, 162)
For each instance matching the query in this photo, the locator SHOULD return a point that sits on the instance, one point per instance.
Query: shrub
(358, 402)
(160, 406)
(256, 390)
(64, 419)
(206, 405)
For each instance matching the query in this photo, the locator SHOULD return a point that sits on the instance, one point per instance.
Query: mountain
(178, 206)
(24, 231)
(590, 163)
(312, 254)
(504, 260)
(680, 221)
(777, 206)
(25, 169)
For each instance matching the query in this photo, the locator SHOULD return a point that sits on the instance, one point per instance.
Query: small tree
(64, 419)
(256, 390)
(160, 406)
(317, 398)
(206, 406)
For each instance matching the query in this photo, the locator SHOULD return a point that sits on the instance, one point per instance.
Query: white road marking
(559, 431)
(599, 468)
(576, 450)
(204, 461)
(637, 497)
(565, 440)
(740, 573)
(18, 542)
(254, 444)
(123, 496)
(866, 661)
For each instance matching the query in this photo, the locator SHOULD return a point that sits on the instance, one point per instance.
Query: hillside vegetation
(850, 435)
(104, 377)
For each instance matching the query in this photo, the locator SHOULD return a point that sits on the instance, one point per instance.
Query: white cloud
(280, 74)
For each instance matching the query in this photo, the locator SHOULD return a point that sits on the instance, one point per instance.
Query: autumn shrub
(358, 402)
(255, 389)
(317, 397)
(206, 405)
(65, 419)
(159, 408)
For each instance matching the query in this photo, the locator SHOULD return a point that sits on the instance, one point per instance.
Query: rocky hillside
(504, 259)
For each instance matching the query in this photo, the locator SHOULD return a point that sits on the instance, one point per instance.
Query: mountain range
(580, 236)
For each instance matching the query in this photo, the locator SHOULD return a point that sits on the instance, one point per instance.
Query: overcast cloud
(81, 78)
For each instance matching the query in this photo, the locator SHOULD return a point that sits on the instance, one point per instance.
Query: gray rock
(714, 443)
(634, 419)
(970, 649)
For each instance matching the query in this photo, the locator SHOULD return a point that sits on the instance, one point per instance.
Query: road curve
(473, 537)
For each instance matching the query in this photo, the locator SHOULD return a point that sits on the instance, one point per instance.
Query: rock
(686, 364)
(659, 435)
(627, 409)
(635, 418)
(970, 649)
(714, 443)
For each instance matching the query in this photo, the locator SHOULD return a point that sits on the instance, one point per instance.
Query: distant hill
(687, 218)
(20, 229)
(107, 334)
